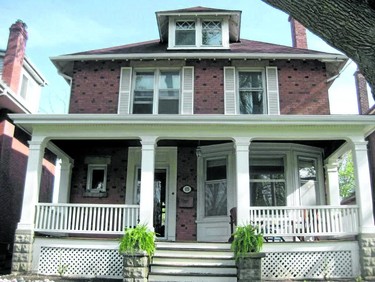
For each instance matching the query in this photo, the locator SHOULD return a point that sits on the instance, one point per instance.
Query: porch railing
(85, 218)
(300, 222)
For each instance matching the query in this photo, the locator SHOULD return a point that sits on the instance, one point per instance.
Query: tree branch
(347, 25)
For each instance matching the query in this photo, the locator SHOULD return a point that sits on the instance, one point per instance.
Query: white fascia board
(31, 69)
(279, 120)
(202, 55)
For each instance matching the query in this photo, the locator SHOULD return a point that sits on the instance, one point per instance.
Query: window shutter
(124, 92)
(229, 90)
(273, 91)
(187, 103)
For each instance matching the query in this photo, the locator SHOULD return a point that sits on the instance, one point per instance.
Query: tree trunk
(347, 25)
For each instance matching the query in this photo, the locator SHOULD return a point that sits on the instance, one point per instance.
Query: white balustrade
(302, 222)
(85, 218)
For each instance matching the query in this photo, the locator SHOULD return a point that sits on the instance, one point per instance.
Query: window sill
(94, 194)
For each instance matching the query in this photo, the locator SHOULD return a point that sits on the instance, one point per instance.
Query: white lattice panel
(82, 262)
(301, 265)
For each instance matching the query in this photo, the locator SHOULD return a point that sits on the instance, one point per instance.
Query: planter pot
(135, 267)
(249, 267)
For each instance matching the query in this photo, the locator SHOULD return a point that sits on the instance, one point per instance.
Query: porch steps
(176, 261)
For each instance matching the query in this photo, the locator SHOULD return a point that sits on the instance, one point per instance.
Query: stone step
(166, 260)
(191, 278)
(193, 269)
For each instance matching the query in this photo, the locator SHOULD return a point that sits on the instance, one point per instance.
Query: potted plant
(246, 245)
(137, 246)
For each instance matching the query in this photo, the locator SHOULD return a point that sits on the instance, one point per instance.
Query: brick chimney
(361, 89)
(14, 55)
(299, 39)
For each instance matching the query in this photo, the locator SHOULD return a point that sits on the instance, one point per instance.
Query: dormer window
(211, 33)
(185, 33)
(199, 33)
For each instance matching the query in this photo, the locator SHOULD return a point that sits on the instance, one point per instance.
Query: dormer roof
(162, 18)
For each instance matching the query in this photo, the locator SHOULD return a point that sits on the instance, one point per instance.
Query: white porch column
(61, 189)
(242, 180)
(146, 212)
(332, 176)
(363, 183)
(32, 182)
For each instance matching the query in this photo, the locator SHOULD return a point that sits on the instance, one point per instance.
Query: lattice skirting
(83, 262)
(307, 265)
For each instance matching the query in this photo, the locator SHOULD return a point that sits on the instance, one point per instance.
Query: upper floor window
(156, 92)
(185, 33)
(252, 98)
(251, 90)
(199, 33)
(211, 33)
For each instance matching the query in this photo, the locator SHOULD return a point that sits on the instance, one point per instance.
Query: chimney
(299, 39)
(361, 89)
(14, 55)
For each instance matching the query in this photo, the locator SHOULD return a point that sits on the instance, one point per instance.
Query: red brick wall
(209, 86)
(116, 173)
(302, 88)
(302, 85)
(186, 228)
(95, 87)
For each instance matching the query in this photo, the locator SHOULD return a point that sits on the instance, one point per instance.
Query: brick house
(20, 88)
(174, 133)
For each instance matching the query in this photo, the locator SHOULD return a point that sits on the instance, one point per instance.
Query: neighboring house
(20, 88)
(175, 132)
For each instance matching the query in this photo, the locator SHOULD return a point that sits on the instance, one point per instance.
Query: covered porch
(251, 146)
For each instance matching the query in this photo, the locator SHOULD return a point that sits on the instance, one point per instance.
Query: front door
(215, 195)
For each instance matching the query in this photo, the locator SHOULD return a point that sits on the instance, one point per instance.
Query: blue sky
(58, 27)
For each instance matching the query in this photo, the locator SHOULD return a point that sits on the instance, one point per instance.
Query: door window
(216, 187)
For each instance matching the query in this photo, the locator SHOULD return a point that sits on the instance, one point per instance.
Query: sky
(58, 27)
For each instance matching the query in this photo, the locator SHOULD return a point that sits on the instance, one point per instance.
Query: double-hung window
(156, 92)
(185, 33)
(211, 33)
(267, 182)
(251, 92)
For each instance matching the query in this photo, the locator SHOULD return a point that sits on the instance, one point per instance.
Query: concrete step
(190, 261)
(191, 278)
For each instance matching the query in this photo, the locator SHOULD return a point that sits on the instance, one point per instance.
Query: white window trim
(155, 104)
(264, 81)
(198, 32)
(90, 170)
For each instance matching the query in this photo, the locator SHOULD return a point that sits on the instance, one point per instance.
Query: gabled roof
(162, 18)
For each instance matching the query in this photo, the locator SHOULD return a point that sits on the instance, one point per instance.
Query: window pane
(308, 181)
(251, 93)
(216, 169)
(216, 198)
(185, 33)
(267, 182)
(97, 179)
(211, 33)
(169, 92)
(143, 93)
